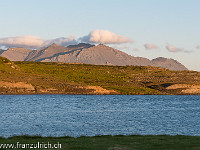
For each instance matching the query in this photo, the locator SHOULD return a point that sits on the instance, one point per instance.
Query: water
(78, 115)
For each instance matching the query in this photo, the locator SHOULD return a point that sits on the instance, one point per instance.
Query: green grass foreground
(119, 142)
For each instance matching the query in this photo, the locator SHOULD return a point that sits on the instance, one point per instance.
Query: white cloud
(149, 46)
(61, 41)
(105, 37)
(173, 49)
(188, 51)
(34, 41)
(125, 47)
(198, 47)
(22, 41)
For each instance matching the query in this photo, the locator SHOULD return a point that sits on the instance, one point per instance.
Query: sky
(144, 28)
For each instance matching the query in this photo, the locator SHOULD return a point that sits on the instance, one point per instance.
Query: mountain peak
(168, 63)
(103, 46)
(54, 45)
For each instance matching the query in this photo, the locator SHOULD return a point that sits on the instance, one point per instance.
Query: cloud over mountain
(62, 41)
(149, 46)
(34, 41)
(105, 37)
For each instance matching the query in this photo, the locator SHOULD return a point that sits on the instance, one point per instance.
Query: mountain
(99, 55)
(53, 51)
(47, 52)
(16, 54)
(88, 54)
(168, 64)
(1, 51)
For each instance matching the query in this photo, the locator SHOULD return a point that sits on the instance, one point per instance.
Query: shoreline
(86, 136)
(95, 94)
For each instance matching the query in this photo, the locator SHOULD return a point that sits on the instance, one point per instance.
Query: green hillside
(9, 71)
(79, 78)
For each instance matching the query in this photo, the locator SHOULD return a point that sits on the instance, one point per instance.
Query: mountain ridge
(16, 54)
(88, 54)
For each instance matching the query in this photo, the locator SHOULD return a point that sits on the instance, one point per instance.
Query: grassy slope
(9, 71)
(67, 77)
(125, 79)
(137, 142)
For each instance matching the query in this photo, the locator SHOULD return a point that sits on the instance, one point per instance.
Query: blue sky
(172, 23)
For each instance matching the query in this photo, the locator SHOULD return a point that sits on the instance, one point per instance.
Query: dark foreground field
(133, 142)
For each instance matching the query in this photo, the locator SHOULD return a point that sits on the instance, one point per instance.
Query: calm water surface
(77, 115)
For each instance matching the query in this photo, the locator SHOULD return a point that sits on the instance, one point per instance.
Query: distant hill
(1, 51)
(168, 63)
(88, 54)
(16, 54)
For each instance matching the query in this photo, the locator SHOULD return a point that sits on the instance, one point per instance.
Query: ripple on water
(76, 115)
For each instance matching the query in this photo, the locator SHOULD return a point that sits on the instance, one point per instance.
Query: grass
(118, 142)
(66, 78)
(124, 79)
